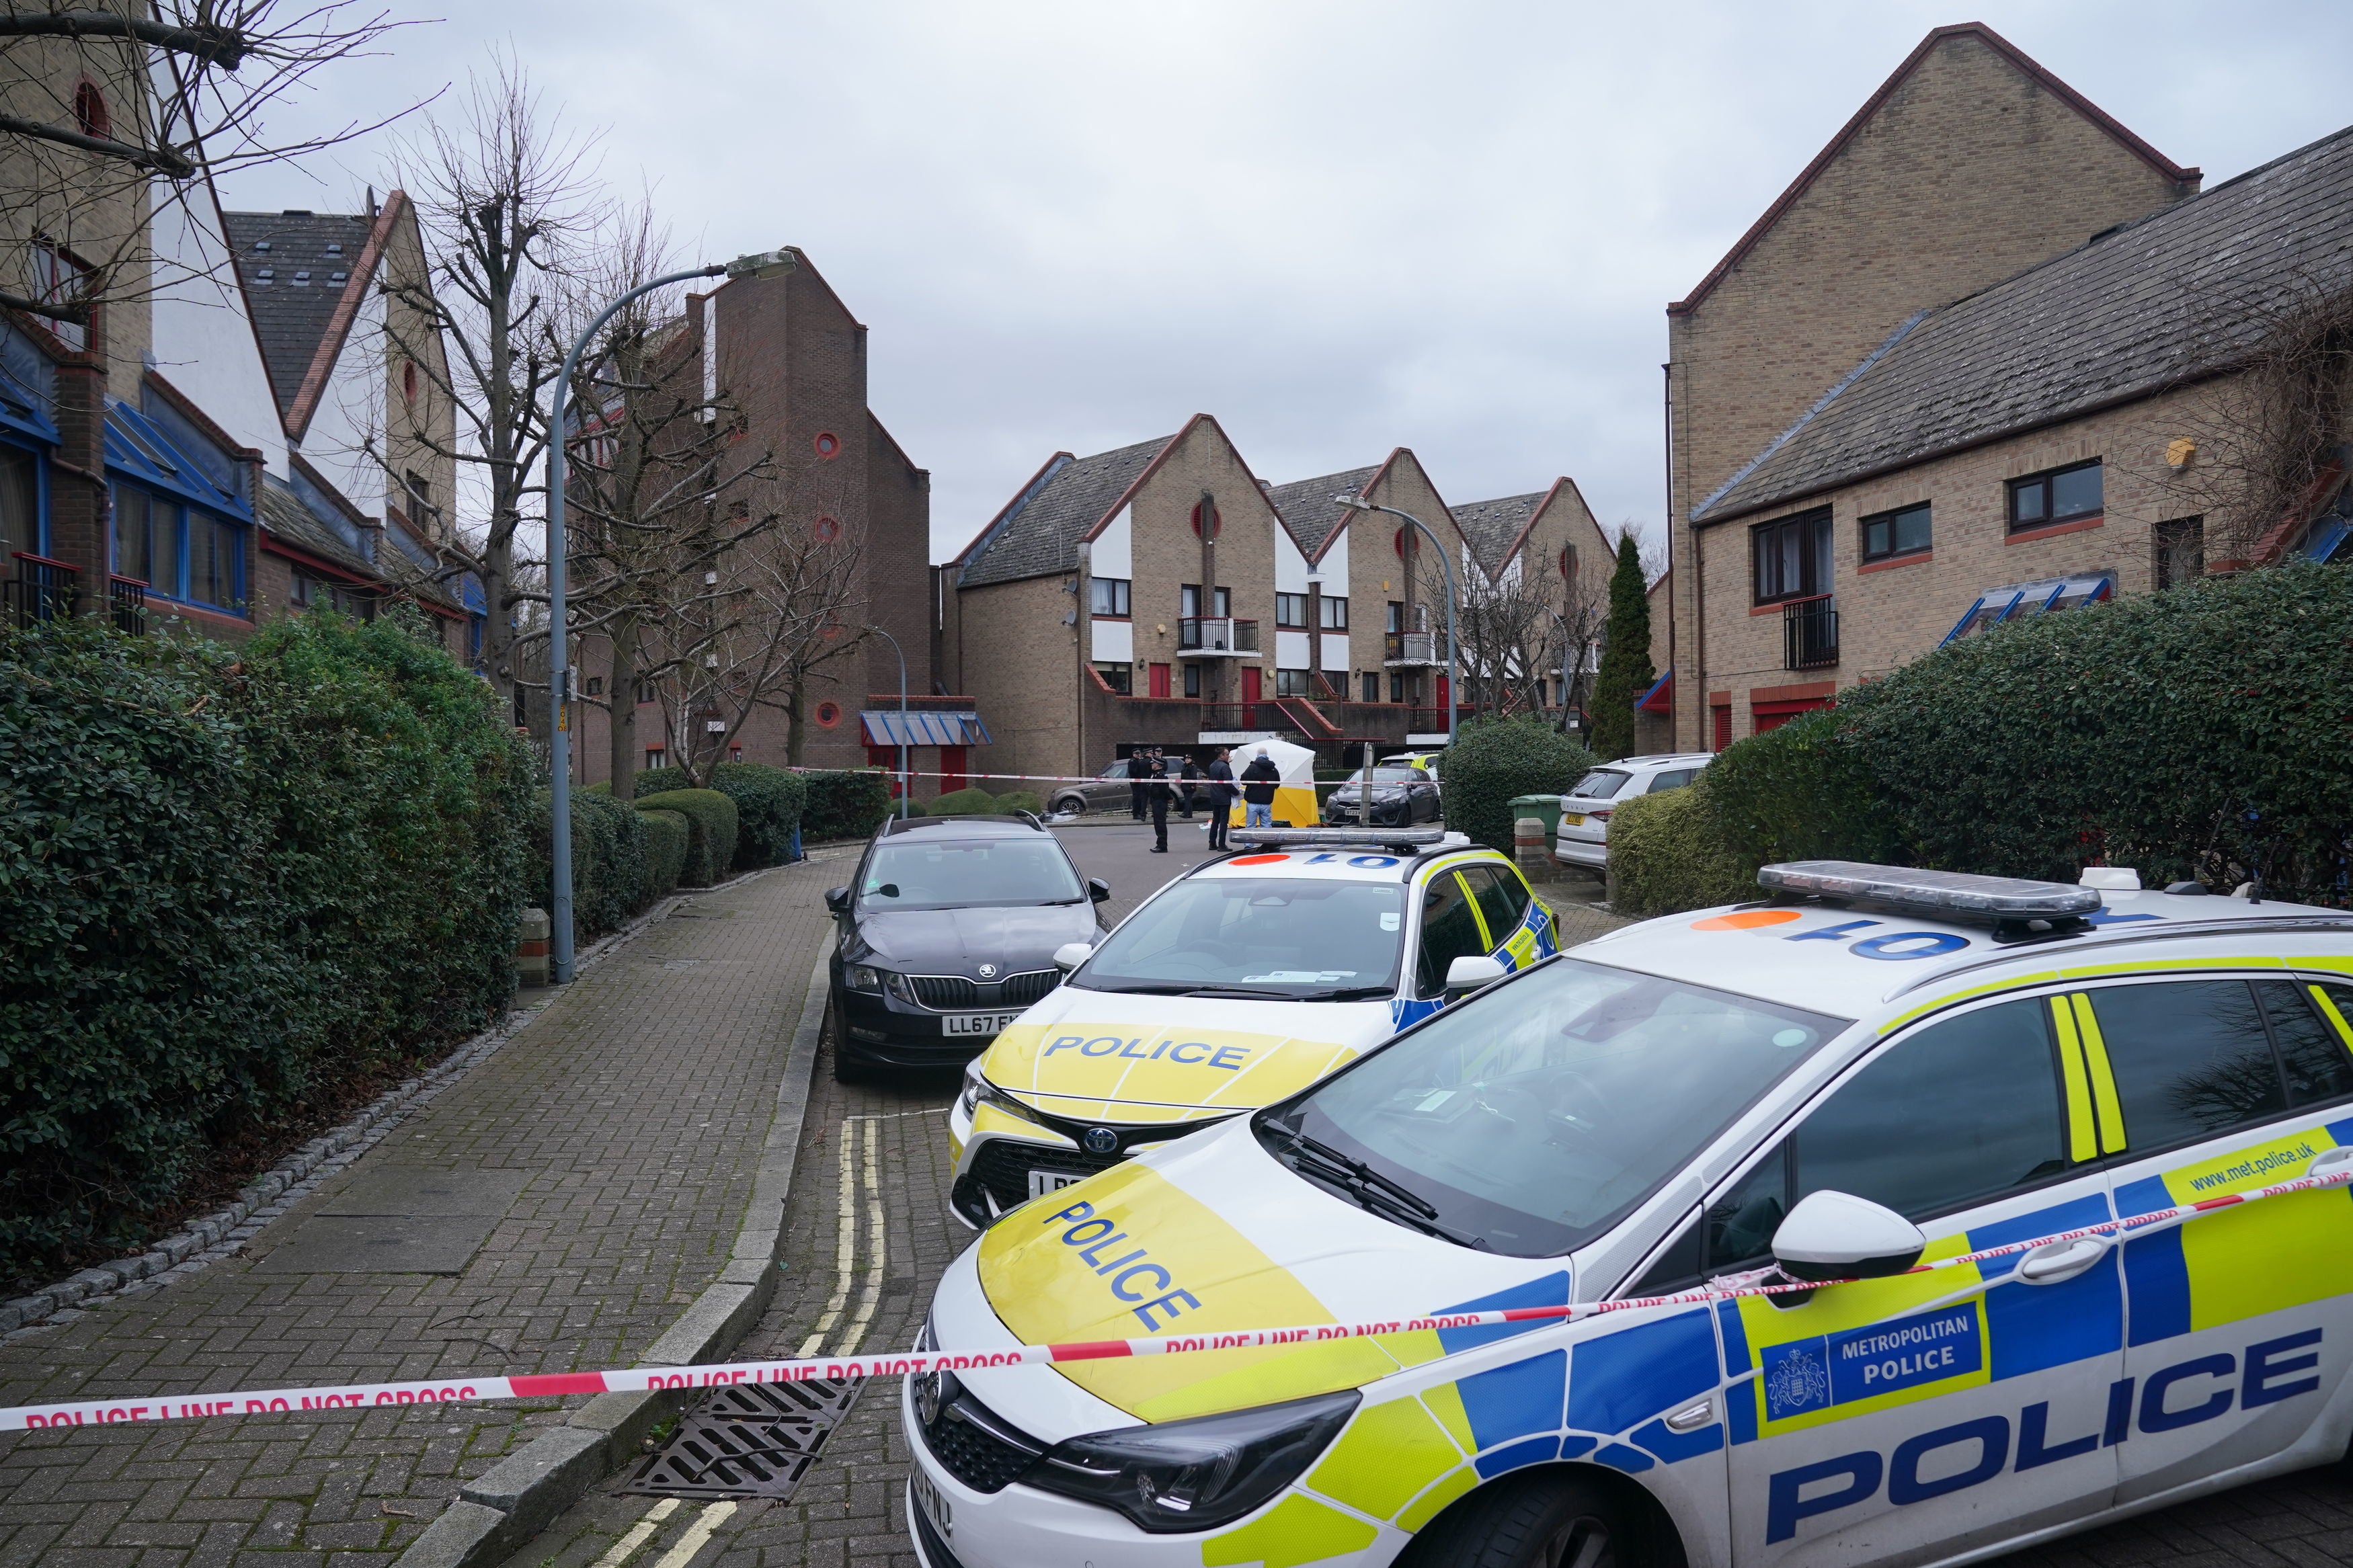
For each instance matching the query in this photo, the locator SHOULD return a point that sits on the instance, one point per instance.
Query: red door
(952, 766)
(1445, 697)
(1159, 680)
(1249, 683)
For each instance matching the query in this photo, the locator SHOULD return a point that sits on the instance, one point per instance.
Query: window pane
(2190, 1058)
(1876, 534)
(1447, 932)
(1190, 599)
(1677, 1268)
(1487, 885)
(1674, 779)
(1335, 615)
(130, 534)
(1817, 555)
(163, 520)
(1981, 1097)
(2309, 1047)
(1601, 784)
(2076, 493)
(1740, 1224)
(1115, 676)
(2026, 501)
(20, 518)
(1787, 567)
(1911, 529)
(1767, 564)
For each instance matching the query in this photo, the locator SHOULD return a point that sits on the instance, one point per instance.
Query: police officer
(1160, 790)
(1139, 768)
(1190, 773)
(1221, 798)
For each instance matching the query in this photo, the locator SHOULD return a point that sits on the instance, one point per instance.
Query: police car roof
(1858, 960)
(1363, 860)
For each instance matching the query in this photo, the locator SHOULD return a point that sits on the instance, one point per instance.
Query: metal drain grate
(751, 1440)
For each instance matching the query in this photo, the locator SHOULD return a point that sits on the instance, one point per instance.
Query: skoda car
(946, 934)
(1869, 1068)
(1583, 840)
(1235, 985)
(1395, 796)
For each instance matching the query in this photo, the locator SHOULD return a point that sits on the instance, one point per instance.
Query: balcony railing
(1413, 648)
(126, 600)
(42, 590)
(1208, 636)
(1809, 633)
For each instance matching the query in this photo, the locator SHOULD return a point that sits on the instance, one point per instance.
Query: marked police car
(1873, 1067)
(1237, 984)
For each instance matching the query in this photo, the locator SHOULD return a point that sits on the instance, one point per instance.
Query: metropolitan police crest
(1796, 1379)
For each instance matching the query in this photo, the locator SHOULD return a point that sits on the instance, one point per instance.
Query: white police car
(1934, 1064)
(1242, 981)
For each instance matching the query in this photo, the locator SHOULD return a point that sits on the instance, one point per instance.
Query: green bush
(667, 836)
(1797, 793)
(844, 804)
(1493, 759)
(240, 885)
(1014, 800)
(657, 781)
(768, 806)
(1669, 853)
(968, 802)
(609, 861)
(711, 847)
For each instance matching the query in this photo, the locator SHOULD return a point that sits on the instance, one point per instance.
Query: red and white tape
(1171, 780)
(441, 1390)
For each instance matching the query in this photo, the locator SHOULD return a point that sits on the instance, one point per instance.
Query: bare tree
(660, 502)
(504, 201)
(1517, 630)
(113, 113)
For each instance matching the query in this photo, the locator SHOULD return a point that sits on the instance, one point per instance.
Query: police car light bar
(1342, 838)
(1954, 894)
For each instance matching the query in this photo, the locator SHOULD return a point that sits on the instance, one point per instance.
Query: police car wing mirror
(1071, 954)
(1471, 972)
(838, 899)
(1837, 1235)
(1098, 890)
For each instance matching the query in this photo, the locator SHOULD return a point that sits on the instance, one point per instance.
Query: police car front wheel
(1539, 1521)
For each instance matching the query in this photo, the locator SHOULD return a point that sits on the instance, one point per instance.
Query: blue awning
(919, 727)
(1661, 697)
(2044, 595)
(138, 449)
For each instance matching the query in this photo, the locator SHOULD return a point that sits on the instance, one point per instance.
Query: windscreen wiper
(1351, 993)
(1358, 1172)
(1375, 1194)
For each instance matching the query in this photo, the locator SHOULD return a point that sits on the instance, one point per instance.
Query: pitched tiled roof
(295, 304)
(1038, 535)
(291, 521)
(1305, 506)
(1491, 527)
(2152, 303)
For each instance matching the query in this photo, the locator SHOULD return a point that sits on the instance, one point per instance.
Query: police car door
(1910, 1417)
(2240, 1325)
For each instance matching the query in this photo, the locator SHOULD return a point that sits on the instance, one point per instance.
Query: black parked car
(1383, 797)
(947, 935)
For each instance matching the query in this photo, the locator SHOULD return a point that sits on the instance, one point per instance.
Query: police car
(1246, 979)
(1872, 1066)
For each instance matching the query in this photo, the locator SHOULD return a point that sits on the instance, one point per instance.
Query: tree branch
(162, 160)
(223, 46)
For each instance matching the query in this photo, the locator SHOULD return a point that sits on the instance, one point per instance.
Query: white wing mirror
(1469, 972)
(1071, 954)
(1837, 1235)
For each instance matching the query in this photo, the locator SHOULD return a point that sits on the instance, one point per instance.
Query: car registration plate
(928, 1499)
(1044, 1182)
(1573, 818)
(976, 1025)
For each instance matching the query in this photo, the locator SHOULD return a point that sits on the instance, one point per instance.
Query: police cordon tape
(901, 1363)
(1171, 779)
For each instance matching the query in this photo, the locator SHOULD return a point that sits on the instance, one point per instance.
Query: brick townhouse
(2031, 447)
(199, 455)
(1971, 163)
(1094, 613)
(789, 354)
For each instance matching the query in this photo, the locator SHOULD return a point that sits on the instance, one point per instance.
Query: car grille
(1003, 1167)
(976, 1445)
(955, 994)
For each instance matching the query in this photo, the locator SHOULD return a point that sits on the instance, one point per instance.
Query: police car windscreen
(1530, 1120)
(1291, 938)
(925, 875)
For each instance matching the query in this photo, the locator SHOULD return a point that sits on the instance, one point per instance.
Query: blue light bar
(1947, 893)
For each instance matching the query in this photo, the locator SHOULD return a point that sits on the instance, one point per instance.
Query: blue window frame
(24, 502)
(173, 530)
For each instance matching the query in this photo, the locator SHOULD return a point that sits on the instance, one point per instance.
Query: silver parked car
(1583, 837)
(1106, 790)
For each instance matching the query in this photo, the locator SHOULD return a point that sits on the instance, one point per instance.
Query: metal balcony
(1809, 633)
(42, 590)
(127, 603)
(1413, 650)
(1215, 636)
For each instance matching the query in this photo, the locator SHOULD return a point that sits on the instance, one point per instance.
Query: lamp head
(763, 264)
(1355, 503)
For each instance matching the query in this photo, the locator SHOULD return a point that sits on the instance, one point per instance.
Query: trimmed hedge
(768, 806)
(972, 802)
(1795, 794)
(1667, 854)
(844, 804)
(667, 836)
(1492, 760)
(240, 885)
(711, 844)
(1014, 800)
(608, 860)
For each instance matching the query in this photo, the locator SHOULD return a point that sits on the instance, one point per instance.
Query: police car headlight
(1195, 1473)
(975, 1085)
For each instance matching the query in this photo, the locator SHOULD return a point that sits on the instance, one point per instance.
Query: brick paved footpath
(632, 1109)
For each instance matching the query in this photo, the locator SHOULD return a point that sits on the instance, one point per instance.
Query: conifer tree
(1626, 672)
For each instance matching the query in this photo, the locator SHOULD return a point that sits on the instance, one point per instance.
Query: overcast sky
(1340, 226)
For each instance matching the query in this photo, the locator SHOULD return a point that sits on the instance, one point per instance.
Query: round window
(825, 529)
(1217, 524)
(827, 715)
(827, 444)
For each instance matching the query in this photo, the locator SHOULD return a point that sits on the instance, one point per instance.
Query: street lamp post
(1453, 696)
(906, 784)
(766, 264)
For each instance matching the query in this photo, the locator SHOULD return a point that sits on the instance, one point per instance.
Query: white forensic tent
(1295, 797)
